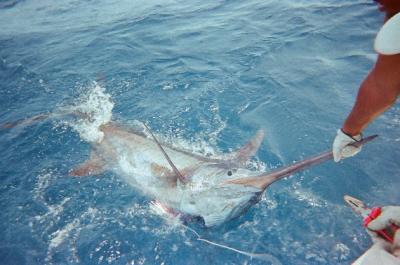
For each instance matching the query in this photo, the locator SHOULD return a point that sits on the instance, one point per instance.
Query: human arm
(377, 93)
(380, 88)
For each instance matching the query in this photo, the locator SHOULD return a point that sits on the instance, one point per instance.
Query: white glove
(377, 255)
(390, 215)
(342, 147)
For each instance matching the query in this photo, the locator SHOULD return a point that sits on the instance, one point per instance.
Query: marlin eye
(229, 173)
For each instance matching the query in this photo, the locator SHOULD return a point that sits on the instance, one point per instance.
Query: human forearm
(377, 93)
(370, 103)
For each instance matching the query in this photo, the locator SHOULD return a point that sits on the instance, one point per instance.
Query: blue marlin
(184, 184)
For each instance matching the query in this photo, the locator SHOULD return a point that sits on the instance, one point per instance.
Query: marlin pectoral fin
(165, 174)
(158, 170)
(86, 169)
(249, 149)
(93, 166)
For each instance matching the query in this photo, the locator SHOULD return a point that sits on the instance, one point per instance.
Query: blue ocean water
(208, 72)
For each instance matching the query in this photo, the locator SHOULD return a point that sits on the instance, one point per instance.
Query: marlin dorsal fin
(249, 149)
(176, 171)
(95, 165)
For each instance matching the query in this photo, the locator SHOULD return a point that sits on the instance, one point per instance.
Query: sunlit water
(205, 75)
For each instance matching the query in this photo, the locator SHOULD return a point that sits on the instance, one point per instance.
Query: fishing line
(162, 211)
(262, 256)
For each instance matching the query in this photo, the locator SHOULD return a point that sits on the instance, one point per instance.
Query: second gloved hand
(342, 147)
(390, 215)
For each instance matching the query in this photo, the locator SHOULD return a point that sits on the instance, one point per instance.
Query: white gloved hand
(342, 147)
(390, 215)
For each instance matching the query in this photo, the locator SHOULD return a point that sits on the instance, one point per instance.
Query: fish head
(208, 196)
(217, 173)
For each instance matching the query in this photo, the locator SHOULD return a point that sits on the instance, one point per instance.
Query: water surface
(210, 73)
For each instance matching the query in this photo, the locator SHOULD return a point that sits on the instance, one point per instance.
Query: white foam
(69, 235)
(43, 181)
(60, 235)
(95, 109)
(217, 120)
(342, 250)
(309, 197)
(168, 86)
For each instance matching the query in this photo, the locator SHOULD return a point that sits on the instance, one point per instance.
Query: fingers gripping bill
(344, 145)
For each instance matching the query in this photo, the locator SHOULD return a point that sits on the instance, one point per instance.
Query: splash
(94, 109)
